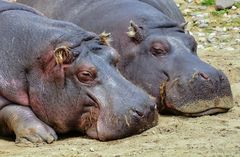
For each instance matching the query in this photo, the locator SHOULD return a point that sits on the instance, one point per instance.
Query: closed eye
(159, 48)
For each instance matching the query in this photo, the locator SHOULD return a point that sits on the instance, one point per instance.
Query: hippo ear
(63, 55)
(135, 32)
(105, 38)
(183, 26)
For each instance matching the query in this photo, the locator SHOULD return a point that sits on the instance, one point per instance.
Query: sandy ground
(217, 135)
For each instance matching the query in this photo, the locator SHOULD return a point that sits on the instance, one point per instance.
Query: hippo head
(163, 60)
(77, 87)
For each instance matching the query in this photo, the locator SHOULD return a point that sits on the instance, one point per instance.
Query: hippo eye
(159, 49)
(86, 76)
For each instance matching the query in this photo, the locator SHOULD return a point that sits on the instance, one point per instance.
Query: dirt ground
(217, 135)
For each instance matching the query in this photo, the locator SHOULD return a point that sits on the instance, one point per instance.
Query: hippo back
(5, 6)
(168, 7)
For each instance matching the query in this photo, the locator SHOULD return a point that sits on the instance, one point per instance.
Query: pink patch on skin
(169, 105)
(21, 95)
(23, 98)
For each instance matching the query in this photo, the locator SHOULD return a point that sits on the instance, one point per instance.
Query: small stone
(236, 29)
(202, 7)
(223, 4)
(200, 47)
(187, 11)
(230, 49)
(201, 34)
(238, 41)
(91, 150)
(234, 8)
(203, 25)
(209, 40)
(225, 15)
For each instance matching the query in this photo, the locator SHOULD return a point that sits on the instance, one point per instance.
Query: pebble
(236, 29)
(234, 8)
(223, 4)
(187, 11)
(230, 49)
(200, 47)
(202, 39)
(202, 7)
(91, 150)
(238, 41)
(201, 34)
(203, 25)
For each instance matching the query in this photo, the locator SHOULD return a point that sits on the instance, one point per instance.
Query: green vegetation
(208, 2)
(237, 4)
(220, 12)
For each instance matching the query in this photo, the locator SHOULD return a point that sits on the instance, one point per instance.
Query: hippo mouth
(90, 116)
(192, 105)
(197, 111)
(211, 111)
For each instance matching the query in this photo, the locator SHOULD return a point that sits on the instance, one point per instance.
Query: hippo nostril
(203, 75)
(153, 107)
(138, 113)
(221, 78)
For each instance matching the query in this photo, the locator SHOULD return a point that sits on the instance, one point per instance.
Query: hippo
(157, 52)
(56, 77)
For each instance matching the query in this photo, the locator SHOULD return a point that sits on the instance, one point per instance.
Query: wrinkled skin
(56, 77)
(162, 59)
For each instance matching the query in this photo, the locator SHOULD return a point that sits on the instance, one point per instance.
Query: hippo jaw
(203, 107)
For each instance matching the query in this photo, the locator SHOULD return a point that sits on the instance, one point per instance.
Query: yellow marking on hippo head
(105, 38)
(62, 54)
(135, 32)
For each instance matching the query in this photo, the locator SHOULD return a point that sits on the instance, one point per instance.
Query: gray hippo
(157, 53)
(56, 77)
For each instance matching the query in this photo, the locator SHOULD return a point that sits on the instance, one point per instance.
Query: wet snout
(146, 112)
(198, 89)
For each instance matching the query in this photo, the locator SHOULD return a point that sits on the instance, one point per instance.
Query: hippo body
(157, 53)
(56, 77)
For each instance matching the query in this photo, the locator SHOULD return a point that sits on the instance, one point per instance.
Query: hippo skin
(157, 52)
(56, 77)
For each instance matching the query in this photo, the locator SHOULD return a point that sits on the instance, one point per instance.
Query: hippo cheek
(88, 121)
(196, 98)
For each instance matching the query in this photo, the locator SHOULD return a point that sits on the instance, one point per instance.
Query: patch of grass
(237, 4)
(208, 2)
(220, 12)
(208, 30)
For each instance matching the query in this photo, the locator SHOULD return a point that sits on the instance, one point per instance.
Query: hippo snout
(128, 121)
(144, 115)
(151, 106)
(199, 93)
